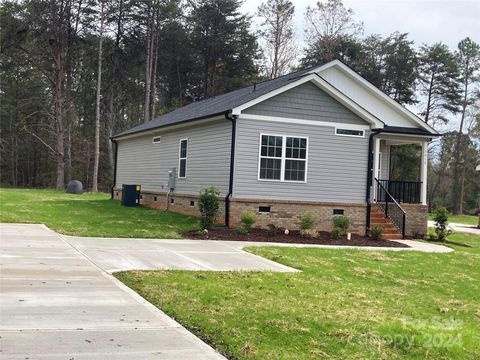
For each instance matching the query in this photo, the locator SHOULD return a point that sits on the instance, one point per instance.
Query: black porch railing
(401, 191)
(390, 207)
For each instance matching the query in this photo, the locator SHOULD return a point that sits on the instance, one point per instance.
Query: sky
(427, 21)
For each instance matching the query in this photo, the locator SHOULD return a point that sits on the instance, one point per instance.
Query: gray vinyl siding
(385, 163)
(208, 159)
(337, 165)
(306, 102)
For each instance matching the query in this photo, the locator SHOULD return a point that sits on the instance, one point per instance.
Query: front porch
(399, 183)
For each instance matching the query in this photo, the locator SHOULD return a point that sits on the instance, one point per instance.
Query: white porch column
(376, 165)
(423, 172)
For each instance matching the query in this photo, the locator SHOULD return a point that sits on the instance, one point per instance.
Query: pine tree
(437, 75)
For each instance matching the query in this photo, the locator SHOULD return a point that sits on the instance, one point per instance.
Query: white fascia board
(303, 121)
(377, 92)
(323, 85)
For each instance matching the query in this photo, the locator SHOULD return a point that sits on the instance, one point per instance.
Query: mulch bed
(294, 237)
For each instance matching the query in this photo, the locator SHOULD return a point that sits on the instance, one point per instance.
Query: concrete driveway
(56, 304)
(471, 229)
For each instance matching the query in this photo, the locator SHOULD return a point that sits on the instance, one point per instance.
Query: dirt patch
(294, 237)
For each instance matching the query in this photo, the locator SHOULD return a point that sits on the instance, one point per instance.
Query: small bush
(376, 232)
(336, 234)
(431, 236)
(309, 233)
(241, 230)
(441, 223)
(247, 219)
(307, 221)
(272, 230)
(341, 223)
(208, 205)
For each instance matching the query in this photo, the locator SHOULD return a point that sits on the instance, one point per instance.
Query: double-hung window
(182, 158)
(283, 158)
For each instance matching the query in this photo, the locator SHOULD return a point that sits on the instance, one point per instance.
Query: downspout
(370, 176)
(114, 167)
(233, 119)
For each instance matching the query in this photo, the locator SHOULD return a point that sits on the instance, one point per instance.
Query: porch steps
(377, 218)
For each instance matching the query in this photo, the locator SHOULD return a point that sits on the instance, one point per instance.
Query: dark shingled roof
(216, 105)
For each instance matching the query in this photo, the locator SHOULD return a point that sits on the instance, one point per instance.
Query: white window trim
(349, 128)
(283, 158)
(181, 158)
(156, 142)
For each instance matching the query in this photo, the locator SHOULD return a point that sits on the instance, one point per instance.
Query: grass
(343, 305)
(90, 214)
(460, 219)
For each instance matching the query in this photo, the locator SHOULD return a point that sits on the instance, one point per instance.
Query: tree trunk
(96, 159)
(459, 169)
(58, 117)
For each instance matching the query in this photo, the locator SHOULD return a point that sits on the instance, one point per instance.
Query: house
(280, 148)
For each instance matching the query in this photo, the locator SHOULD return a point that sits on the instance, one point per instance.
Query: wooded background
(75, 72)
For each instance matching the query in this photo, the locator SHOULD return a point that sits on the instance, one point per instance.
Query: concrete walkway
(56, 304)
(471, 229)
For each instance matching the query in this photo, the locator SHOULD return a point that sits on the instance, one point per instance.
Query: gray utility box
(172, 177)
(131, 195)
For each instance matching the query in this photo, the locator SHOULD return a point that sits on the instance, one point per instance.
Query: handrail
(386, 192)
(399, 224)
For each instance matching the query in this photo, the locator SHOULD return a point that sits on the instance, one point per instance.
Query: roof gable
(370, 97)
(308, 102)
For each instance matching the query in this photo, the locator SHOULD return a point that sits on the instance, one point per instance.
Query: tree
(437, 75)
(329, 24)
(97, 105)
(278, 34)
(468, 58)
(223, 46)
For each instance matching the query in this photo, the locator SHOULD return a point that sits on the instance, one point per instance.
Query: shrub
(376, 232)
(431, 236)
(336, 233)
(208, 205)
(272, 230)
(241, 230)
(441, 223)
(307, 221)
(341, 223)
(247, 219)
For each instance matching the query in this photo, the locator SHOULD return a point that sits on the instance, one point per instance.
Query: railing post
(386, 205)
(403, 226)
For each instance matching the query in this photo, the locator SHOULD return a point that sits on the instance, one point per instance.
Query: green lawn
(89, 214)
(461, 219)
(343, 305)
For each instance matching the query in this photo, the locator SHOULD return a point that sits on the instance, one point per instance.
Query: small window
(192, 203)
(154, 198)
(182, 165)
(283, 158)
(156, 139)
(349, 132)
(264, 209)
(338, 212)
(172, 200)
